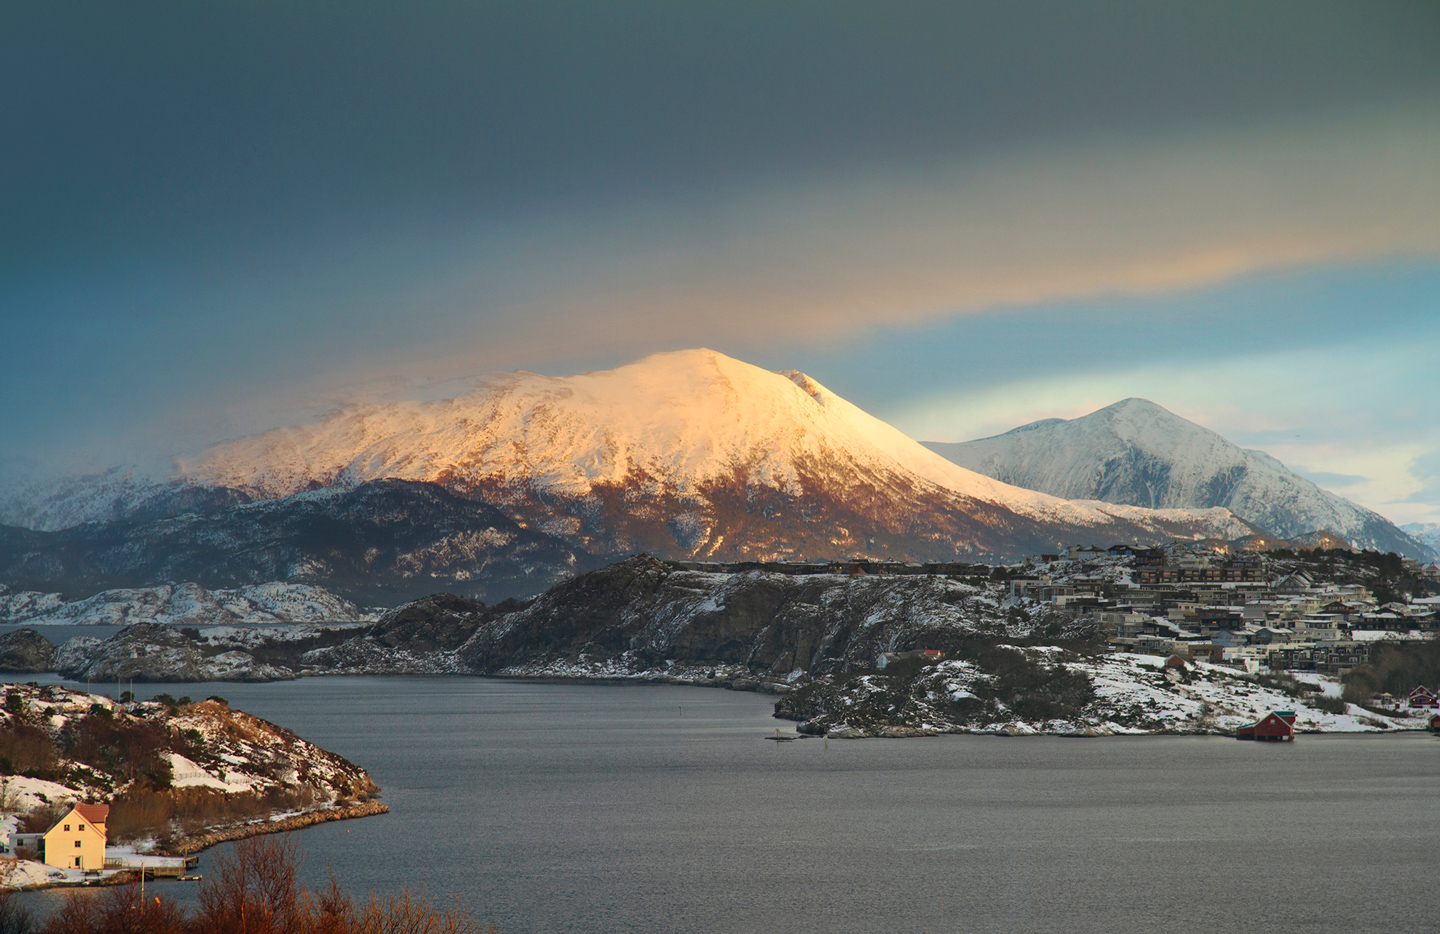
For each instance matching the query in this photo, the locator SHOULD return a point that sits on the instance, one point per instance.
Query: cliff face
(643, 614)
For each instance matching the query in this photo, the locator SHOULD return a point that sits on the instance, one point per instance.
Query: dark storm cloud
(215, 217)
(162, 130)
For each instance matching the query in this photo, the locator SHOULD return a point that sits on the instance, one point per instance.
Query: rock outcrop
(189, 604)
(645, 614)
(150, 652)
(639, 618)
(25, 651)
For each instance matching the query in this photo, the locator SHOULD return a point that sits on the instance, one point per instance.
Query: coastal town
(1193, 637)
(1250, 610)
(1284, 610)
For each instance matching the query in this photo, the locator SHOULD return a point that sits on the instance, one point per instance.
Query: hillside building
(77, 839)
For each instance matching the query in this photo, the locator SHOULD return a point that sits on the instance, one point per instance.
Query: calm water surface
(598, 808)
(59, 635)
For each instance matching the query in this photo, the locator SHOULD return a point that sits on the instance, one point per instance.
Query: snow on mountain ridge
(190, 604)
(680, 420)
(1427, 532)
(1137, 452)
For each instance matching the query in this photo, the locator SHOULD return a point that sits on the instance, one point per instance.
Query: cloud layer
(854, 253)
(231, 215)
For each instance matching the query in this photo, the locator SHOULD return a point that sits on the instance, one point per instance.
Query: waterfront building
(77, 839)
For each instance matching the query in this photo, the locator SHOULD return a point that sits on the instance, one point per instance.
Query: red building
(1434, 724)
(1276, 726)
(1423, 697)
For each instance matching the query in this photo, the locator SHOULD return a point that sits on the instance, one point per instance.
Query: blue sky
(217, 218)
(1332, 370)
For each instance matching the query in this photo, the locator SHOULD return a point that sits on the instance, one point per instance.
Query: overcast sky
(216, 217)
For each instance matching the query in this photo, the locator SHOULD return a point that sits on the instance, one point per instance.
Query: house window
(67, 828)
(80, 827)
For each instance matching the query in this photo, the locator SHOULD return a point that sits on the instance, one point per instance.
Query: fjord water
(596, 808)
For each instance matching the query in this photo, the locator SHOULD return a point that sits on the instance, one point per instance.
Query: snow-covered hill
(196, 767)
(689, 453)
(183, 604)
(1139, 453)
(17, 605)
(528, 479)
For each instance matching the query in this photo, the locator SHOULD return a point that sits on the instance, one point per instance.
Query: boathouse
(1434, 724)
(1276, 726)
(77, 839)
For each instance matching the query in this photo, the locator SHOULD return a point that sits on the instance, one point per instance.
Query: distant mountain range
(185, 604)
(1138, 453)
(1427, 533)
(378, 544)
(529, 479)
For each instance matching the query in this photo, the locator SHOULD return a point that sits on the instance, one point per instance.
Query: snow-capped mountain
(1139, 453)
(685, 453)
(1427, 533)
(531, 479)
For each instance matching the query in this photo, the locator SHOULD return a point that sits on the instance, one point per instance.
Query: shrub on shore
(147, 813)
(255, 891)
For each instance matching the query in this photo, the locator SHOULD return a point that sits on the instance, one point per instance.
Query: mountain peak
(1136, 404)
(1139, 453)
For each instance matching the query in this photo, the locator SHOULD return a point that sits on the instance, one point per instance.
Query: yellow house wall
(61, 848)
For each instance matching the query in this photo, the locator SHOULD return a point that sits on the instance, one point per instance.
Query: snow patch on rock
(192, 605)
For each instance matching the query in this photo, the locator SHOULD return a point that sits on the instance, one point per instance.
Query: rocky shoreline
(178, 776)
(195, 843)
